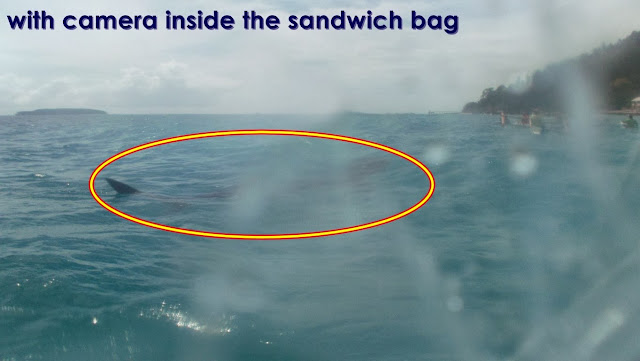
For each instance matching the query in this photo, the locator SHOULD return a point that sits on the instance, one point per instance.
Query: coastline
(61, 111)
(623, 112)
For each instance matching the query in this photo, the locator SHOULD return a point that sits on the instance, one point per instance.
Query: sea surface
(528, 249)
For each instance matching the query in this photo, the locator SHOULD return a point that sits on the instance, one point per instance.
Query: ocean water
(528, 249)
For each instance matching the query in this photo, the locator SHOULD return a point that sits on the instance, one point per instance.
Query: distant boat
(629, 123)
(536, 130)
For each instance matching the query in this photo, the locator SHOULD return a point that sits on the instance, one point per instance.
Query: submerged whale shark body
(355, 174)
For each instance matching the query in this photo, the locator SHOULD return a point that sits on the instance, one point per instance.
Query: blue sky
(284, 71)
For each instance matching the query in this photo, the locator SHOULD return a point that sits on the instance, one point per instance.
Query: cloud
(167, 87)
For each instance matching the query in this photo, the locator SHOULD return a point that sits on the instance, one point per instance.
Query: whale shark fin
(120, 187)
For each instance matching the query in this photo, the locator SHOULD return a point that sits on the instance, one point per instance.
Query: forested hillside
(614, 71)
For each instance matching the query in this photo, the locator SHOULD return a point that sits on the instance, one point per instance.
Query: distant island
(62, 111)
(613, 70)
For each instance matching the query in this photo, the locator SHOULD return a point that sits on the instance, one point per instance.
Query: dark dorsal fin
(121, 188)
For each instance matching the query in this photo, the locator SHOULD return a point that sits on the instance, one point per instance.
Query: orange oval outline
(224, 133)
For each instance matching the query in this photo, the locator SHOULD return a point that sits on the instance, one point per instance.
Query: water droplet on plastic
(523, 164)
